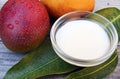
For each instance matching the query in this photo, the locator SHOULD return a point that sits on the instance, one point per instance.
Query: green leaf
(96, 72)
(40, 62)
(113, 15)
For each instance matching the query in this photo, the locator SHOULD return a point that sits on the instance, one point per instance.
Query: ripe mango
(24, 24)
(58, 8)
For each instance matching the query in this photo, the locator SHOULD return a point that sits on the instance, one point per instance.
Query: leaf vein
(99, 68)
(115, 18)
(54, 59)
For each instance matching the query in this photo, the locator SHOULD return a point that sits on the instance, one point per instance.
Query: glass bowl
(106, 25)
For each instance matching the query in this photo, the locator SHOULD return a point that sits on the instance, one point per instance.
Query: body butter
(83, 38)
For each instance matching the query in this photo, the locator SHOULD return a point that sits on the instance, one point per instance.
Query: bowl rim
(62, 54)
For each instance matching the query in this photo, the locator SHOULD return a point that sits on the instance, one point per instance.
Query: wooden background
(99, 4)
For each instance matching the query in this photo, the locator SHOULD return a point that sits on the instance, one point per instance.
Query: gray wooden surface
(99, 4)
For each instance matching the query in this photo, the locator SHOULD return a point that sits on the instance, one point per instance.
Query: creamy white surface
(83, 39)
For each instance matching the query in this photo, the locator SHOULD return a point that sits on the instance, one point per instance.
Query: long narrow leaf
(39, 63)
(96, 72)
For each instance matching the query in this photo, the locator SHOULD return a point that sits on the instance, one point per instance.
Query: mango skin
(24, 24)
(58, 8)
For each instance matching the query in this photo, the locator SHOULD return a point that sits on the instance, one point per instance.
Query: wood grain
(98, 5)
(106, 3)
